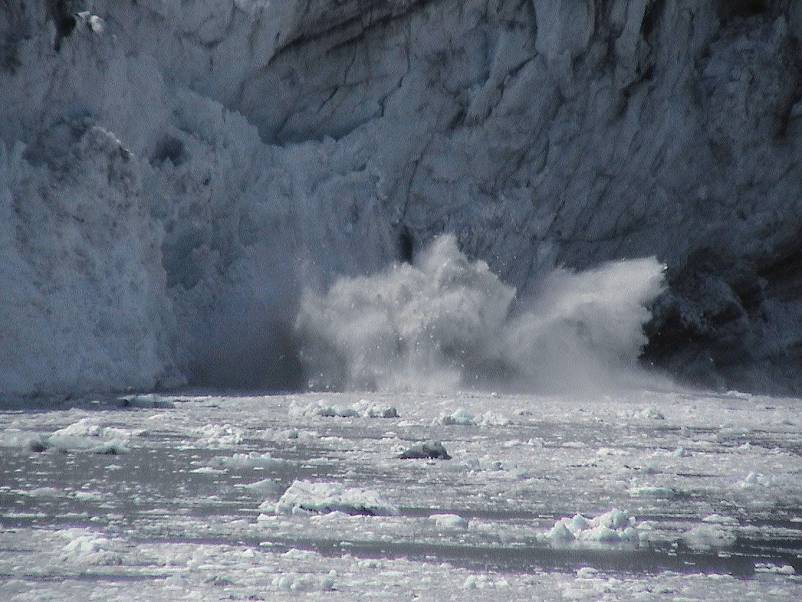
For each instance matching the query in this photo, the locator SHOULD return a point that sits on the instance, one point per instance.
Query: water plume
(445, 322)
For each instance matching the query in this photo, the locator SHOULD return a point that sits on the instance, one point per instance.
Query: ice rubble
(249, 460)
(449, 521)
(427, 450)
(319, 497)
(85, 435)
(463, 417)
(326, 409)
(157, 173)
(88, 547)
(611, 527)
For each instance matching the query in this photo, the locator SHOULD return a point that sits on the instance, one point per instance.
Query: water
(169, 515)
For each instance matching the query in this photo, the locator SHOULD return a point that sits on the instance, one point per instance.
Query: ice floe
(428, 449)
(307, 496)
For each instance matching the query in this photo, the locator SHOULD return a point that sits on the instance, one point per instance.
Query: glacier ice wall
(170, 181)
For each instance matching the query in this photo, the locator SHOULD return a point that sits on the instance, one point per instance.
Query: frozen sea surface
(647, 495)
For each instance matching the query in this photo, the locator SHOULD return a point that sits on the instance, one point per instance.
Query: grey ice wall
(172, 175)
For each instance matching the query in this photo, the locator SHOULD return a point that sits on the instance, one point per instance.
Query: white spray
(446, 322)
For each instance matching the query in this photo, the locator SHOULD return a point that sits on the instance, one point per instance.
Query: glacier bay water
(186, 495)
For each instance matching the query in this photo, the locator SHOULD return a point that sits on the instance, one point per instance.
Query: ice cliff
(173, 174)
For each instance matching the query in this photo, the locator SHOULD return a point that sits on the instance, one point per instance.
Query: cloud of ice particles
(445, 322)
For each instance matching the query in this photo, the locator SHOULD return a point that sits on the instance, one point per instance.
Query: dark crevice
(731, 9)
(406, 245)
(63, 19)
(651, 17)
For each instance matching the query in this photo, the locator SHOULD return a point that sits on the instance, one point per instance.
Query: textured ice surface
(525, 510)
(173, 176)
(305, 496)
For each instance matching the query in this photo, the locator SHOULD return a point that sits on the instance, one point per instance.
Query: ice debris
(305, 496)
(653, 491)
(709, 536)
(294, 582)
(250, 460)
(610, 527)
(85, 435)
(767, 567)
(363, 408)
(88, 547)
(449, 521)
(462, 417)
(427, 449)
(219, 435)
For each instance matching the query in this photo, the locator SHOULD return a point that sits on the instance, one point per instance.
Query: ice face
(173, 175)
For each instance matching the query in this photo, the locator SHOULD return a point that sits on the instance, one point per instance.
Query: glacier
(175, 176)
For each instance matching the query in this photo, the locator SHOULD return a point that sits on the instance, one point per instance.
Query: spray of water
(445, 323)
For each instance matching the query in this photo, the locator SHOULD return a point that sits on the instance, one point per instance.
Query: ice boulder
(427, 449)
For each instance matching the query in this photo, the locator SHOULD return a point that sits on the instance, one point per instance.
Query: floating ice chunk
(296, 554)
(754, 480)
(650, 414)
(484, 582)
(705, 537)
(305, 496)
(88, 547)
(86, 427)
(653, 491)
(15, 438)
(586, 572)
(427, 449)
(207, 470)
(87, 435)
(560, 532)
(149, 401)
(264, 487)
(610, 527)
(326, 409)
(323, 408)
(460, 417)
(719, 519)
(250, 460)
(381, 411)
(449, 521)
(294, 582)
(219, 435)
(767, 567)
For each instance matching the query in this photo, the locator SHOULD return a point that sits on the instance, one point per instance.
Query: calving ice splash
(446, 322)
